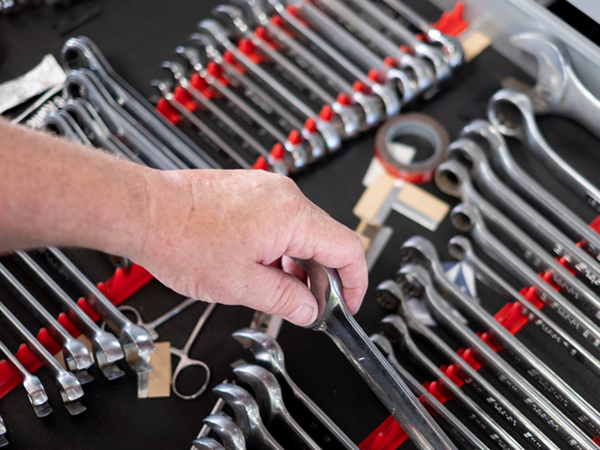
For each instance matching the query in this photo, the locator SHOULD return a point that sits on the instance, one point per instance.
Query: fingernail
(302, 316)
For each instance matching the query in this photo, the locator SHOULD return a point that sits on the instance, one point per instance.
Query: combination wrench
(268, 395)
(453, 178)
(450, 422)
(528, 131)
(105, 347)
(80, 52)
(530, 189)
(420, 251)
(207, 443)
(62, 124)
(33, 386)
(231, 436)
(394, 327)
(335, 321)
(416, 281)
(269, 355)
(136, 342)
(76, 355)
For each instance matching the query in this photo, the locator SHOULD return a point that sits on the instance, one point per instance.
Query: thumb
(284, 295)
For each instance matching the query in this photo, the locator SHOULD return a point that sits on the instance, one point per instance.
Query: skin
(219, 236)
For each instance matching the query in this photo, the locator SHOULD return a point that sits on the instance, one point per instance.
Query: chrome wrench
(207, 443)
(64, 125)
(105, 347)
(231, 436)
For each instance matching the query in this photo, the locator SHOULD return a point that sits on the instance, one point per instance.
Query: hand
(227, 236)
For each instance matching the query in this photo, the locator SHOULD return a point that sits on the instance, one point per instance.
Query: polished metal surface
(231, 436)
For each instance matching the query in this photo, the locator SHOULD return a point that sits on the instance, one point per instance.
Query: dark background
(135, 37)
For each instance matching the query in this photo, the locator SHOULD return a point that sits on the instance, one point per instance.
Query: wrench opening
(506, 117)
(461, 219)
(447, 180)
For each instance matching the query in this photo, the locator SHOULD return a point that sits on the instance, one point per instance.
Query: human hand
(227, 236)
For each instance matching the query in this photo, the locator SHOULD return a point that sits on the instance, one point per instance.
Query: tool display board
(136, 37)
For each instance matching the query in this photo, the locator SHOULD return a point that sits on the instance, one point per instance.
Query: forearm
(54, 192)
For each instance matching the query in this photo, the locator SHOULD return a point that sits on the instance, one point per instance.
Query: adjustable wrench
(105, 346)
(76, 355)
(529, 189)
(32, 384)
(529, 132)
(416, 281)
(407, 86)
(395, 327)
(557, 88)
(335, 321)
(531, 251)
(136, 342)
(81, 52)
(449, 421)
(68, 384)
(351, 115)
(332, 128)
(420, 251)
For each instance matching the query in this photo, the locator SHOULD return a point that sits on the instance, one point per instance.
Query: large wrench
(418, 250)
(335, 321)
(529, 132)
(416, 281)
(530, 189)
(105, 346)
(81, 52)
(395, 327)
(231, 436)
(453, 179)
(64, 125)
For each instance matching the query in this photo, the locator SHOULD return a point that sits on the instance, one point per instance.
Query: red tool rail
(123, 284)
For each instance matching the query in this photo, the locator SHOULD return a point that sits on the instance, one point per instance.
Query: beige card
(159, 379)
(474, 43)
(373, 198)
(423, 202)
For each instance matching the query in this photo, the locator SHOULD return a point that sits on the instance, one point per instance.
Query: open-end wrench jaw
(177, 69)
(265, 349)
(108, 351)
(451, 46)
(165, 86)
(207, 443)
(209, 44)
(233, 19)
(255, 12)
(231, 436)
(193, 57)
(216, 32)
(267, 391)
(480, 128)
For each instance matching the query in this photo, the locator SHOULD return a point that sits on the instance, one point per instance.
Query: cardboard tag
(159, 380)
(374, 197)
(474, 43)
(421, 206)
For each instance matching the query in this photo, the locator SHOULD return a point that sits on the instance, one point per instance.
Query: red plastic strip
(452, 23)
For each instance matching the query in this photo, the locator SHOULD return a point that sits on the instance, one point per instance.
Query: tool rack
(135, 37)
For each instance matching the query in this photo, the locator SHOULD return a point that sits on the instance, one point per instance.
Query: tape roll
(412, 124)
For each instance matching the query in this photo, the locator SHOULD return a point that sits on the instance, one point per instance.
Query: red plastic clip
(547, 277)
(433, 388)
(490, 341)
(168, 111)
(387, 436)
(262, 34)
(373, 75)
(452, 23)
(216, 71)
(344, 99)
(279, 22)
(124, 283)
(294, 137)
(595, 225)
(361, 87)
(450, 372)
(326, 113)
(230, 58)
(277, 152)
(563, 262)
(389, 61)
(248, 48)
(261, 164)
(511, 317)
(185, 98)
(294, 12)
(467, 355)
(310, 125)
(532, 297)
(202, 86)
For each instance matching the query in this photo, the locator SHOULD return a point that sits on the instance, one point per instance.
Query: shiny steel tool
(420, 251)
(82, 84)
(136, 342)
(523, 214)
(32, 384)
(406, 85)
(557, 88)
(332, 130)
(269, 397)
(247, 416)
(531, 190)
(105, 347)
(448, 388)
(453, 179)
(352, 116)
(3, 440)
(184, 357)
(396, 327)
(206, 443)
(61, 123)
(231, 436)
(217, 409)
(81, 52)
(461, 248)
(269, 354)
(335, 321)
(416, 281)
(449, 421)
(68, 384)
(76, 355)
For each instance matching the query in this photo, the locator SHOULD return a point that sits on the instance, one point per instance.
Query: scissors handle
(183, 364)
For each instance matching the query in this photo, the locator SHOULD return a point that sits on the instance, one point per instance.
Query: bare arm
(214, 235)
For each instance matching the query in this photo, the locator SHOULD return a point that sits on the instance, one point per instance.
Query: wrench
(267, 393)
(453, 179)
(105, 346)
(332, 130)
(335, 321)
(3, 440)
(207, 443)
(247, 416)
(529, 132)
(136, 342)
(32, 384)
(231, 436)
(81, 52)
(68, 384)
(76, 355)
(529, 189)
(450, 422)
(418, 250)
(416, 280)
(269, 354)
(63, 124)
(217, 409)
